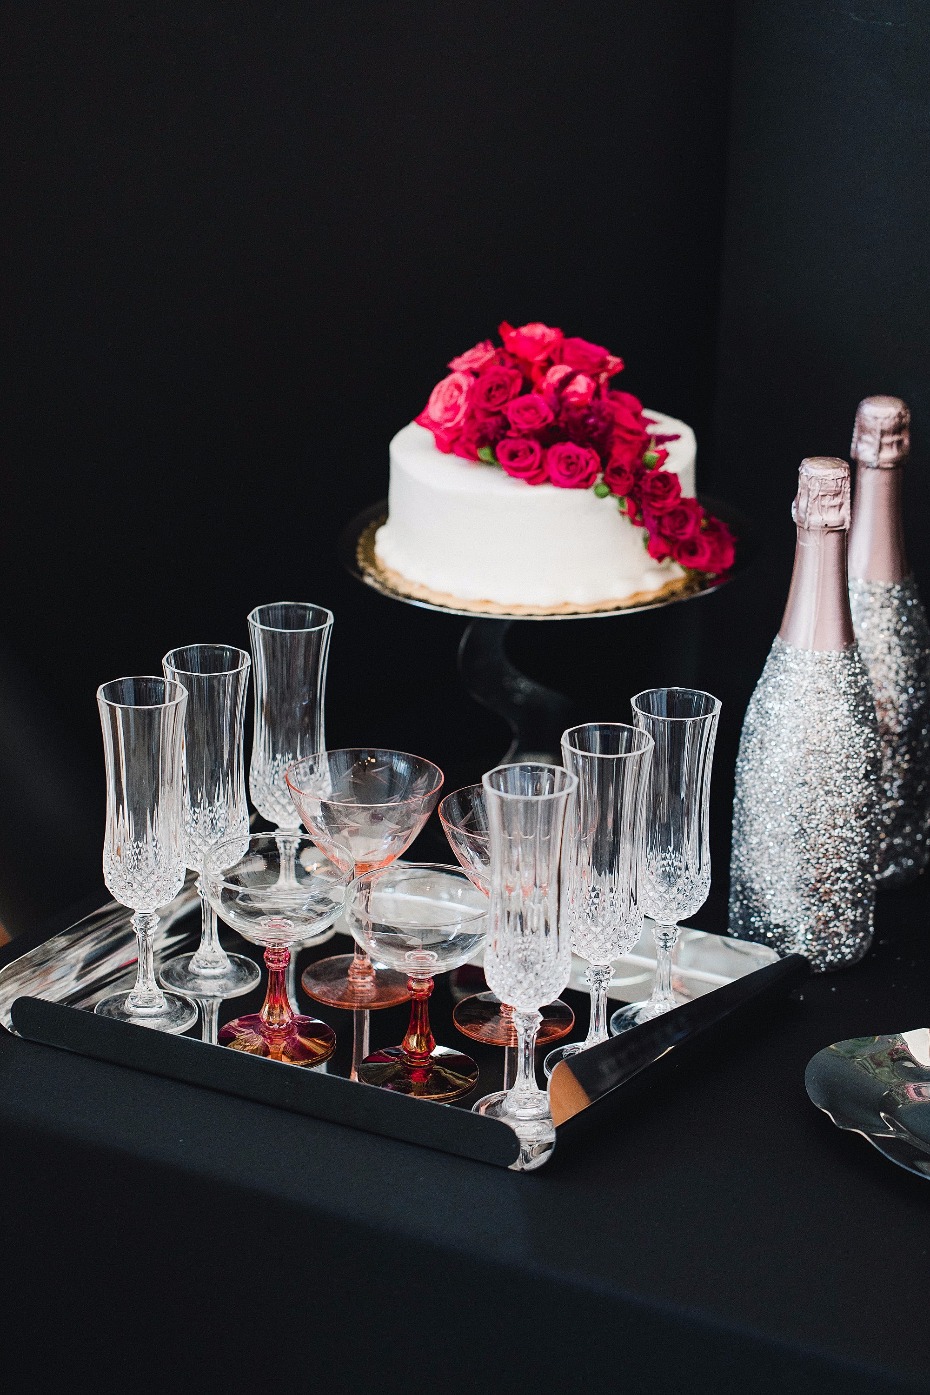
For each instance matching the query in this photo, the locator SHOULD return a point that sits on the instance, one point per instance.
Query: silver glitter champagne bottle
(806, 809)
(891, 626)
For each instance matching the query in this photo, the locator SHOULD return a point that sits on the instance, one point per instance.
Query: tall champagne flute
(216, 678)
(602, 903)
(483, 1017)
(527, 958)
(676, 857)
(142, 720)
(290, 650)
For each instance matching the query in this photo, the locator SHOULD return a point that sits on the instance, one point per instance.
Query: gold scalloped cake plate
(357, 548)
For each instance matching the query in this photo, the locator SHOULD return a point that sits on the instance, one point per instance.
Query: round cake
(529, 484)
(463, 531)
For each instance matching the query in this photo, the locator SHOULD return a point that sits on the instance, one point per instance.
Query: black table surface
(717, 1232)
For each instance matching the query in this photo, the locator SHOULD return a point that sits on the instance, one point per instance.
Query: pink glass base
(348, 981)
(303, 1041)
(484, 1018)
(442, 1075)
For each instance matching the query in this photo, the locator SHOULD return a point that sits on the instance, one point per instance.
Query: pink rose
(659, 550)
(532, 342)
(722, 545)
(612, 366)
(474, 358)
(580, 391)
(445, 411)
(553, 380)
(659, 491)
(695, 553)
(620, 475)
(522, 458)
(571, 466)
(528, 413)
(681, 522)
(494, 387)
(582, 355)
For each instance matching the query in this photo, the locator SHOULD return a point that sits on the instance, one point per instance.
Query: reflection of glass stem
(510, 1058)
(598, 978)
(360, 1021)
(663, 998)
(525, 1099)
(276, 1010)
(419, 1042)
(210, 956)
(210, 1018)
(145, 995)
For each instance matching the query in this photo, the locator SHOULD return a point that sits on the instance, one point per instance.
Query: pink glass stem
(360, 1020)
(276, 1011)
(419, 1042)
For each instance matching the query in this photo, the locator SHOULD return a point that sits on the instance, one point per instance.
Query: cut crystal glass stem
(598, 977)
(525, 1100)
(663, 997)
(210, 956)
(145, 996)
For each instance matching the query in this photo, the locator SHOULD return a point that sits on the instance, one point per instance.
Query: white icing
(471, 531)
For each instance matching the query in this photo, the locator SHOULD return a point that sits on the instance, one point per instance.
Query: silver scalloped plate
(356, 551)
(879, 1087)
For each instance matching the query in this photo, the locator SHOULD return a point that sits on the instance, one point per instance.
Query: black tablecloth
(718, 1234)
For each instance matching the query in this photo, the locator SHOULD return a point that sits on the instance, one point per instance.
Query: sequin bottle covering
(806, 807)
(891, 626)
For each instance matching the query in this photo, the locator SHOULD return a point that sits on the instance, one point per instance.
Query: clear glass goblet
(603, 855)
(422, 918)
(142, 720)
(276, 899)
(676, 855)
(528, 957)
(482, 1016)
(363, 807)
(216, 678)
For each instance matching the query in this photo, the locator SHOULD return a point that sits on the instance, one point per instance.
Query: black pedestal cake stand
(536, 715)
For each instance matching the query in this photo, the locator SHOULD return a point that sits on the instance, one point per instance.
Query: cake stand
(537, 715)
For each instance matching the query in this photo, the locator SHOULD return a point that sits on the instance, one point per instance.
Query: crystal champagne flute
(527, 959)
(276, 896)
(482, 1016)
(676, 856)
(290, 651)
(422, 918)
(603, 856)
(216, 678)
(142, 720)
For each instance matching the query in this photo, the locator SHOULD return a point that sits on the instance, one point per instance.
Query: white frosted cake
(464, 531)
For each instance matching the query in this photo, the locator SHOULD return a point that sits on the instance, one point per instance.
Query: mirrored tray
(879, 1087)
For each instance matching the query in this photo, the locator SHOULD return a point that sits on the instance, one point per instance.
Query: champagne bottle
(891, 626)
(806, 808)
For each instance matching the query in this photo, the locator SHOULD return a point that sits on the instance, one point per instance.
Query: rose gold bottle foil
(817, 614)
(880, 445)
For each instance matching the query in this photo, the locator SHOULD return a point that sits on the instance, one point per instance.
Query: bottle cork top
(881, 436)
(822, 500)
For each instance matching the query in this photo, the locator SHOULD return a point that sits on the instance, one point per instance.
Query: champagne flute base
(304, 1041)
(329, 981)
(480, 1018)
(445, 1075)
(176, 1015)
(236, 977)
(533, 1127)
(635, 1013)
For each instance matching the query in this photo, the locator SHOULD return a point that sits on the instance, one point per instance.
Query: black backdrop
(245, 237)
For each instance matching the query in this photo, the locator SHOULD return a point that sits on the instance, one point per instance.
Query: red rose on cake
(540, 407)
